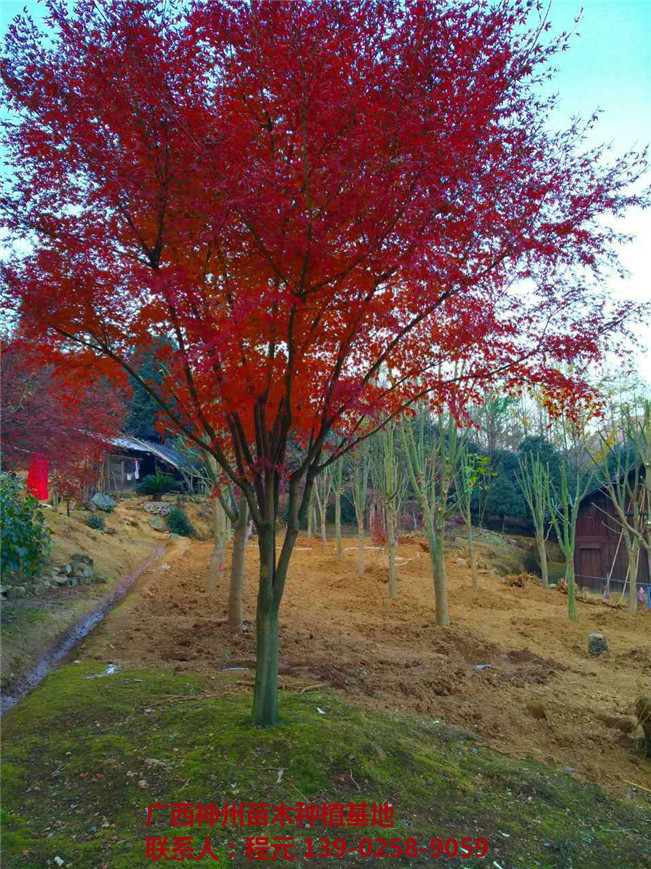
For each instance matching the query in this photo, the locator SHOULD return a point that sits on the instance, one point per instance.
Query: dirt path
(541, 696)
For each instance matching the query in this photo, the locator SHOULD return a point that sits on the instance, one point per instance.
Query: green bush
(25, 539)
(178, 523)
(157, 485)
(96, 521)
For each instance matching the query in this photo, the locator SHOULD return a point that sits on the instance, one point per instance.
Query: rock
(597, 644)
(81, 558)
(157, 523)
(3, 590)
(158, 507)
(110, 531)
(174, 536)
(39, 587)
(67, 569)
(103, 502)
(61, 580)
(461, 561)
(16, 591)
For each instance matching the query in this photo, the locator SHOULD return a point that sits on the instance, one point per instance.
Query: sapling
(389, 484)
(564, 503)
(431, 471)
(534, 481)
(361, 466)
(337, 488)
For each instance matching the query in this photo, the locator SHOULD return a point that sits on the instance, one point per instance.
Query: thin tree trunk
(542, 552)
(340, 547)
(360, 547)
(473, 557)
(324, 536)
(571, 589)
(440, 584)
(240, 536)
(437, 560)
(391, 541)
(633, 561)
(310, 515)
(220, 531)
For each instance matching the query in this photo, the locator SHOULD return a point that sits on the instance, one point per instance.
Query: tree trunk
(310, 515)
(542, 552)
(360, 542)
(571, 589)
(265, 691)
(633, 561)
(340, 548)
(473, 557)
(240, 537)
(324, 536)
(391, 541)
(437, 559)
(220, 531)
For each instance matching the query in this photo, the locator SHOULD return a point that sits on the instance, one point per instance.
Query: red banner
(37, 477)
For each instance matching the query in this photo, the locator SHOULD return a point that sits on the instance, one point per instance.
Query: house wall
(600, 547)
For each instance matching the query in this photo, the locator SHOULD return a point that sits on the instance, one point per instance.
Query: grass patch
(83, 757)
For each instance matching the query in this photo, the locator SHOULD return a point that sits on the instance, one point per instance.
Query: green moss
(78, 750)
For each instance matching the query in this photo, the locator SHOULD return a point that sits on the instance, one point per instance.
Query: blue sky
(608, 67)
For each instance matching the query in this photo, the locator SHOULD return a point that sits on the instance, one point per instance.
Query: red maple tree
(68, 420)
(323, 205)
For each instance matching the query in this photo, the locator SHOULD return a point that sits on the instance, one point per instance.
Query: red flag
(37, 477)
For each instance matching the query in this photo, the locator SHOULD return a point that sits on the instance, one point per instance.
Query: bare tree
(389, 485)
(535, 483)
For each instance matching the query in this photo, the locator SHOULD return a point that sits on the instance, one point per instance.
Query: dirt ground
(541, 695)
(32, 624)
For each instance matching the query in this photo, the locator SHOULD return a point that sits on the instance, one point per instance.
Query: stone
(61, 580)
(103, 502)
(15, 591)
(3, 590)
(462, 561)
(68, 569)
(597, 644)
(110, 531)
(81, 558)
(157, 523)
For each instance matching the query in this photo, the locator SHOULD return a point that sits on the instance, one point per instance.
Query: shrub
(96, 521)
(178, 522)
(25, 539)
(157, 485)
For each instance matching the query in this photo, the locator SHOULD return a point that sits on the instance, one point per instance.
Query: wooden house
(600, 557)
(129, 459)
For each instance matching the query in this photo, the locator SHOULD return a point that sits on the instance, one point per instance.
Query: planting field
(541, 695)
